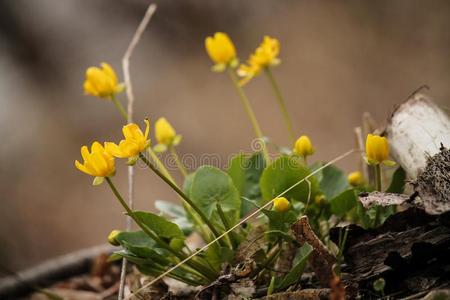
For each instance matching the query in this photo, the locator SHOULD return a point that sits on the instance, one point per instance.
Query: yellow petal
(100, 164)
(89, 89)
(132, 131)
(82, 168)
(85, 153)
(112, 149)
(147, 128)
(109, 71)
(97, 147)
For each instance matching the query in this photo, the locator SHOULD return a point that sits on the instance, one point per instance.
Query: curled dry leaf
(321, 259)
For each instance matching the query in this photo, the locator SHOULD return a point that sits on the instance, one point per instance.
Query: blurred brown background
(340, 58)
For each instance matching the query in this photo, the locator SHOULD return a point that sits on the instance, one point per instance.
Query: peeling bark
(416, 130)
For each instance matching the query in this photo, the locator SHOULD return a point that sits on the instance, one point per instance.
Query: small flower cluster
(100, 161)
(222, 52)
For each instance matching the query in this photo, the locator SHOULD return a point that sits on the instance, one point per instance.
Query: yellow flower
(377, 150)
(98, 162)
(265, 55)
(221, 50)
(355, 178)
(112, 237)
(303, 146)
(102, 82)
(165, 135)
(281, 204)
(134, 143)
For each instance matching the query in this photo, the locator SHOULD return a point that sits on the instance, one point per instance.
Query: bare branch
(130, 97)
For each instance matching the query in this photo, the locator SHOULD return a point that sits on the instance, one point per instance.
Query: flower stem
(205, 234)
(178, 161)
(119, 106)
(206, 271)
(378, 177)
(342, 241)
(181, 194)
(227, 226)
(378, 188)
(159, 164)
(250, 113)
(281, 103)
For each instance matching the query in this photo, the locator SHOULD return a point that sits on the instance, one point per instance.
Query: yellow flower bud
(102, 82)
(355, 178)
(164, 132)
(377, 150)
(303, 146)
(221, 49)
(112, 237)
(134, 143)
(281, 204)
(320, 199)
(98, 162)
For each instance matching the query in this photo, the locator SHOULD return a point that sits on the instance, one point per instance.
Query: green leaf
(211, 186)
(273, 234)
(294, 275)
(188, 183)
(217, 255)
(245, 171)
(343, 203)
(176, 213)
(159, 225)
(139, 244)
(398, 182)
(280, 220)
(282, 174)
(333, 181)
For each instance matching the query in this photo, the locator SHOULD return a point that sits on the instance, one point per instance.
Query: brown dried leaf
(321, 259)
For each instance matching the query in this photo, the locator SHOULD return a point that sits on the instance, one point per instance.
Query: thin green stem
(273, 253)
(249, 111)
(181, 194)
(159, 164)
(281, 103)
(166, 173)
(178, 161)
(227, 226)
(206, 271)
(342, 241)
(378, 188)
(119, 106)
(378, 177)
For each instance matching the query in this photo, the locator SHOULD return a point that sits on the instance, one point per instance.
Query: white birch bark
(416, 130)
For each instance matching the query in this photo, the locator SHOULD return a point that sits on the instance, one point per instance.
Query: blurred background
(339, 59)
